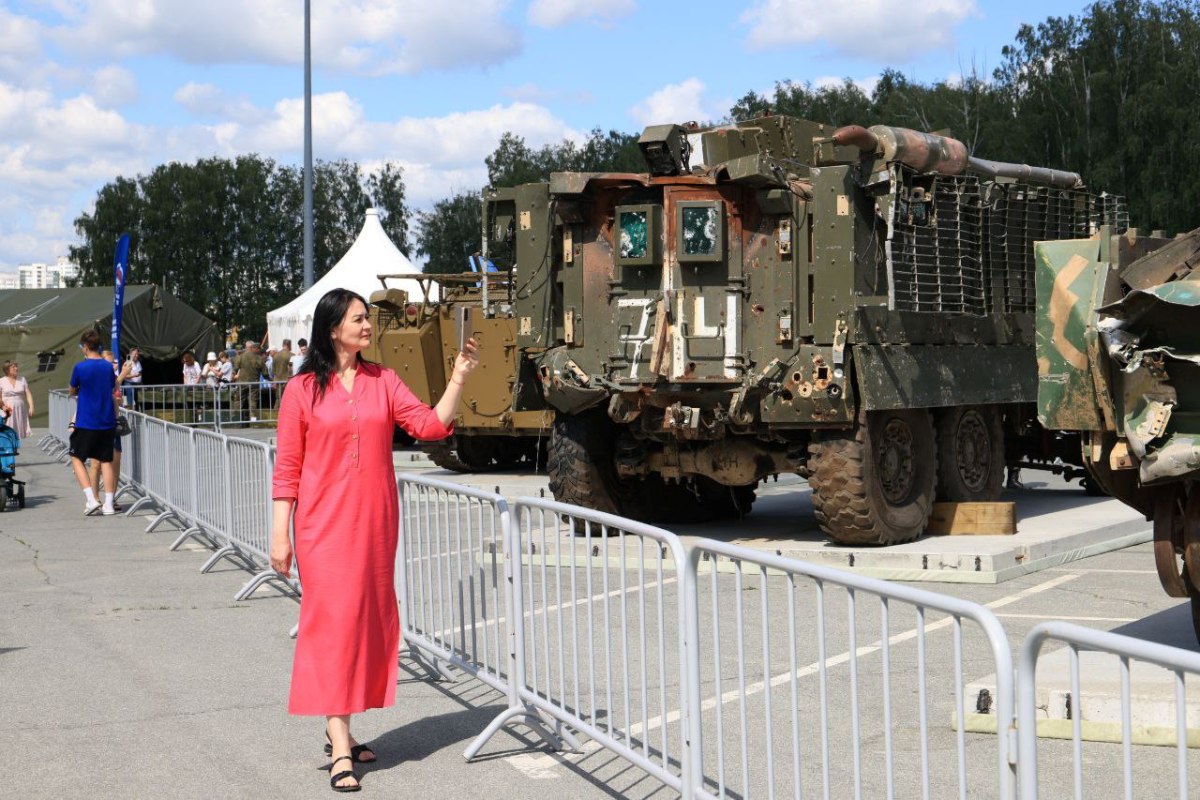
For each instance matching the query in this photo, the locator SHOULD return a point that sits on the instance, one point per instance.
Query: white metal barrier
(61, 409)
(218, 407)
(1120, 651)
(213, 488)
(454, 585)
(777, 683)
(597, 625)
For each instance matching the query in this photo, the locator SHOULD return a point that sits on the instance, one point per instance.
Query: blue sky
(92, 89)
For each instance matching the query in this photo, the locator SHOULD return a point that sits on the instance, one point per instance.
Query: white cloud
(897, 30)
(114, 86)
(438, 154)
(22, 43)
(556, 13)
(676, 102)
(369, 36)
(207, 100)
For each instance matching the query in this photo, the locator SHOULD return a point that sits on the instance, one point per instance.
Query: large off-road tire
(481, 453)
(875, 486)
(582, 471)
(970, 443)
(445, 456)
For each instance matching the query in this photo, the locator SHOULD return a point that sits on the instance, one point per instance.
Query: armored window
(48, 361)
(700, 230)
(638, 235)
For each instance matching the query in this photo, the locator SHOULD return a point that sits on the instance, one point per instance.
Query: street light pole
(308, 166)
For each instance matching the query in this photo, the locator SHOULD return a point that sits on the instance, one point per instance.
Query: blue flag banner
(120, 270)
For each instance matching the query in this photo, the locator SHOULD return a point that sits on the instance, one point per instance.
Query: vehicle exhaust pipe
(1052, 177)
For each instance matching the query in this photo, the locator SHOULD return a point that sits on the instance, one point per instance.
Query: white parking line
(1067, 619)
(1081, 571)
(812, 669)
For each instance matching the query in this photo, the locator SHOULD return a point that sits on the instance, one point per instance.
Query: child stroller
(10, 488)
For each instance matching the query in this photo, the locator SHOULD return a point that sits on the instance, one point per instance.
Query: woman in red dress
(335, 483)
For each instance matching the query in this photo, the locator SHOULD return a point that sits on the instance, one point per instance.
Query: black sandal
(341, 776)
(356, 751)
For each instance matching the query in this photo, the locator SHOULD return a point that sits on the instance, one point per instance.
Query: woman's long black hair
(321, 360)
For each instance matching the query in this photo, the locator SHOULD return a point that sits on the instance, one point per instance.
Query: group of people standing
(223, 367)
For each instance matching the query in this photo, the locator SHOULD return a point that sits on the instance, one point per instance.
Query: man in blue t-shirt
(92, 381)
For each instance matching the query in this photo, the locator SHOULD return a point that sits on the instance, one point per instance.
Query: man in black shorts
(92, 381)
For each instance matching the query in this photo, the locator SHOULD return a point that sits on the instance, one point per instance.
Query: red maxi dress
(335, 458)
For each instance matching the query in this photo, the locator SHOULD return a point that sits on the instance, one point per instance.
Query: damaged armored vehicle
(854, 306)
(1118, 349)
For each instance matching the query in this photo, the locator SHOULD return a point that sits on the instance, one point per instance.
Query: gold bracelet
(460, 383)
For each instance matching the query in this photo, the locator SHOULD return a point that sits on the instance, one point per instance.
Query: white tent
(371, 255)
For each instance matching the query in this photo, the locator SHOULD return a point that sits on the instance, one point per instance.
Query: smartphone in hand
(465, 326)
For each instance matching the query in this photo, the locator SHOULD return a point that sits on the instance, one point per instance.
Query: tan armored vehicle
(418, 338)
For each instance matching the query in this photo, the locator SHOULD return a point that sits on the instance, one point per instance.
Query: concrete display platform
(1056, 524)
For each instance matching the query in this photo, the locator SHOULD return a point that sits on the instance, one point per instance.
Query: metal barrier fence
(214, 488)
(716, 669)
(1119, 652)
(218, 407)
(61, 408)
(756, 661)
(599, 622)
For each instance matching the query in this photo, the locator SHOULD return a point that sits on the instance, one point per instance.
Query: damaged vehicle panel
(1119, 362)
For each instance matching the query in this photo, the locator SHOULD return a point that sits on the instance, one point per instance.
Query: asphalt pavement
(125, 673)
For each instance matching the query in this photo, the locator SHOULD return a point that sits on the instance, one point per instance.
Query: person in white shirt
(132, 375)
(226, 367)
(298, 359)
(211, 373)
(191, 370)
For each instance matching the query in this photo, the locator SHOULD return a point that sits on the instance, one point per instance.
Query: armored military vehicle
(1118, 346)
(418, 338)
(775, 296)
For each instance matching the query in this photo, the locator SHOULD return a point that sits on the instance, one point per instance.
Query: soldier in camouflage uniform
(248, 368)
(281, 370)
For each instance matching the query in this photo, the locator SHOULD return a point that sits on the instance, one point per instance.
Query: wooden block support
(973, 519)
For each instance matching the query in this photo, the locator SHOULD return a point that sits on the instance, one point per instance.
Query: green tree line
(1107, 93)
(226, 235)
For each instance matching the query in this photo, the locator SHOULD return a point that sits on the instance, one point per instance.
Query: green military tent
(40, 330)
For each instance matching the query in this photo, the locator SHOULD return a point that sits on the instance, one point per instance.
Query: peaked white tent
(371, 255)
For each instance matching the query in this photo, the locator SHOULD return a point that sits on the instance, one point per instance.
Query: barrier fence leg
(268, 576)
(139, 503)
(431, 666)
(161, 518)
(524, 715)
(128, 488)
(230, 552)
(197, 533)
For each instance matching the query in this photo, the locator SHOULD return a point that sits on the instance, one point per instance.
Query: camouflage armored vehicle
(418, 338)
(1118, 347)
(855, 306)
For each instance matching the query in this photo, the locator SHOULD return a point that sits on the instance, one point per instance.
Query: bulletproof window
(700, 230)
(48, 360)
(638, 235)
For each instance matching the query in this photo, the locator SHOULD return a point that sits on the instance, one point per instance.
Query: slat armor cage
(962, 246)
